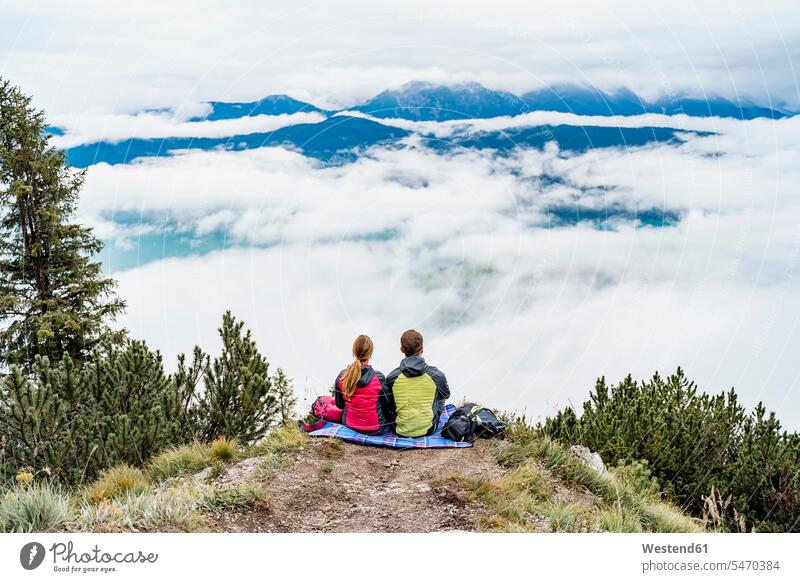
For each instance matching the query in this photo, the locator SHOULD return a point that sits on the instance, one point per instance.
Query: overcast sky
(107, 55)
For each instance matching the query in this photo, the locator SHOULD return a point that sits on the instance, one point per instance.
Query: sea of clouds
(520, 313)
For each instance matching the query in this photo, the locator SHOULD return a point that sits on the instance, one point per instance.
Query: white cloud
(445, 129)
(518, 315)
(89, 128)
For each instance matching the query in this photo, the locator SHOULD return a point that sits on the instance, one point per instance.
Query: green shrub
(326, 469)
(694, 443)
(240, 399)
(38, 507)
(71, 420)
(636, 475)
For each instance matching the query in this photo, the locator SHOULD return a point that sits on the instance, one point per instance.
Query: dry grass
(224, 450)
(179, 461)
(117, 482)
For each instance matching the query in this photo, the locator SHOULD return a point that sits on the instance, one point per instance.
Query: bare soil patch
(340, 487)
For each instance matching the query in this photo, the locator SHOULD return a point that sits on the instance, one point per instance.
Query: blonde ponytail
(362, 352)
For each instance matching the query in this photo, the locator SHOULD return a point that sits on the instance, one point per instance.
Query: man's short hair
(411, 342)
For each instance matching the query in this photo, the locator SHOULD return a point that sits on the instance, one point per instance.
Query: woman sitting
(361, 390)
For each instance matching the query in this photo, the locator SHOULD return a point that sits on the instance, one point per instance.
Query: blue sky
(519, 316)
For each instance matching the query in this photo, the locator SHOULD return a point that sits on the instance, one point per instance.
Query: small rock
(203, 475)
(593, 460)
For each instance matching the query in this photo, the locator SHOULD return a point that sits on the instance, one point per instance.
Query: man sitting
(416, 391)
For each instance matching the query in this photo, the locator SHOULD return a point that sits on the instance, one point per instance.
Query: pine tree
(54, 300)
(240, 400)
(131, 396)
(31, 420)
(182, 401)
(285, 396)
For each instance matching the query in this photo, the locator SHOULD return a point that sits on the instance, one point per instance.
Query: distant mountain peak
(589, 100)
(424, 101)
(278, 104)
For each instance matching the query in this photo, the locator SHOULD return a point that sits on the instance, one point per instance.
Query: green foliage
(694, 443)
(285, 396)
(39, 507)
(73, 420)
(54, 300)
(240, 399)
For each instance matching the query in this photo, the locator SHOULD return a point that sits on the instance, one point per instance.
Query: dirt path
(340, 487)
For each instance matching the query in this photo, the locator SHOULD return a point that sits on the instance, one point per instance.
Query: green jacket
(416, 393)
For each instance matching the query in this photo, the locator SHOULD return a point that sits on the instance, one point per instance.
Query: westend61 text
(675, 549)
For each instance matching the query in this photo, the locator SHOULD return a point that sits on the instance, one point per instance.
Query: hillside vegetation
(709, 454)
(290, 482)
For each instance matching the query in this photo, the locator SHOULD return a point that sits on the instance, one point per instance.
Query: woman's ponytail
(362, 352)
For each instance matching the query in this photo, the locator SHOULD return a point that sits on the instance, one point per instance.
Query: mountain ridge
(425, 101)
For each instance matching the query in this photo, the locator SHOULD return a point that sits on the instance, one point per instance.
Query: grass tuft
(237, 498)
(283, 441)
(179, 461)
(174, 506)
(326, 469)
(270, 464)
(331, 448)
(36, 507)
(117, 482)
(224, 450)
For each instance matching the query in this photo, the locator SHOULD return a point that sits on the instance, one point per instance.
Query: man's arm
(386, 401)
(387, 397)
(337, 392)
(442, 389)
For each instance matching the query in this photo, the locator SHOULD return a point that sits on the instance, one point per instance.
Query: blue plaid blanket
(435, 441)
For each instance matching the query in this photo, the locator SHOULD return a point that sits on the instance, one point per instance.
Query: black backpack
(470, 422)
